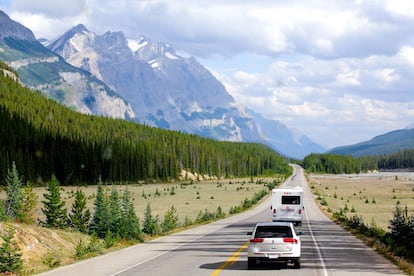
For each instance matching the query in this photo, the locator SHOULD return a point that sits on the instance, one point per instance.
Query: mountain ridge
(43, 70)
(386, 143)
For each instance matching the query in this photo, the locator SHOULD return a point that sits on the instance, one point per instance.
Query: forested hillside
(45, 138)
(384, 144)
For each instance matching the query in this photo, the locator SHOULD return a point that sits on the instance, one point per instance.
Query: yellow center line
(230, 260)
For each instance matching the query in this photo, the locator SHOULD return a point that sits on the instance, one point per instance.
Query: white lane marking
(325, 271)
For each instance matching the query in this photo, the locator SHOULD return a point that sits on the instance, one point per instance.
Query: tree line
(332, 163)
(403, 159)
(45, 138)
(336, 164)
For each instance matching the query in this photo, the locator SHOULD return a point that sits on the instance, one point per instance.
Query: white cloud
(400, 7)
(327, 97)
(348, 78)
(48, 8)
(45, 26)
(406, 54)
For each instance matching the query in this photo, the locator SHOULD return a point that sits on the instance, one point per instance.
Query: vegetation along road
(219, 248)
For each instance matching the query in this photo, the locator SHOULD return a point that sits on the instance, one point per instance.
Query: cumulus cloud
(62, 9)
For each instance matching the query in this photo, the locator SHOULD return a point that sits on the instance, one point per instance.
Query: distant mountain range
(142, 81)
(387, 143)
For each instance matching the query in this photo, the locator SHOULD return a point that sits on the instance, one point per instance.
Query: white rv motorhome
(287, 205)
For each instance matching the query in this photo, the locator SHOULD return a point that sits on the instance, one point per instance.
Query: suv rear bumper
(253, 261)
(294, 221)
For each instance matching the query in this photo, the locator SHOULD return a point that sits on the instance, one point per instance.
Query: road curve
(219, 248)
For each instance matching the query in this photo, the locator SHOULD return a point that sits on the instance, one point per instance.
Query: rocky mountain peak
(59, 44)
(10, 28)
(147, 50)
(113, 40)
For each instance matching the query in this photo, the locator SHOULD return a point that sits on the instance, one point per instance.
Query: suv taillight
(274, 211)
(256, 240)
(290, 240)
(300, 211)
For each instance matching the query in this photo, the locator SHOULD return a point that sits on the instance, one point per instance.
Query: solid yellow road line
(230, 260)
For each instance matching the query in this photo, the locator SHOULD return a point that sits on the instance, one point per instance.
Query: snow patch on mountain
(136, 44)
(170, 55)
(154, 64)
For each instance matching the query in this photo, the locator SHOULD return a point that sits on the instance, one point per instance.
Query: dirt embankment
(43, 248)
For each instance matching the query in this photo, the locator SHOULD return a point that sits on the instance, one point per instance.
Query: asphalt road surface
(220, 248)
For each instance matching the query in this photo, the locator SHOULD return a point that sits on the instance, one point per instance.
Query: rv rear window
(294, 200)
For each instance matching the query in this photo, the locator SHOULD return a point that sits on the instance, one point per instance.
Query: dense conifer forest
(334, 163)
(331, 163)
(45, 138)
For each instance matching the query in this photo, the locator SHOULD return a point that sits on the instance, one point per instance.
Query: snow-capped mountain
(164, 89)
(43, 70)
(172, 92)
(137, 79)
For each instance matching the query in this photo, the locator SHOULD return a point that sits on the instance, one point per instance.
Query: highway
(219, 248)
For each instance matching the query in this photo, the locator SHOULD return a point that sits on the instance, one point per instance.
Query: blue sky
(339, 71)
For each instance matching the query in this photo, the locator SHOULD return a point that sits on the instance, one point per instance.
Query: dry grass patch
(188, 197)
(370, 196)
(43, 248)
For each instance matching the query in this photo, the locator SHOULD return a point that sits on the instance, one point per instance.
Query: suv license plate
(273, 256)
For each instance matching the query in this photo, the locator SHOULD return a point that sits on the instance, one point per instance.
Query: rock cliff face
(43, 70)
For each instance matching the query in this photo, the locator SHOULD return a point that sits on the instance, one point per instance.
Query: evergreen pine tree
(150, 225)
(80, 215)
(99, 225)
(170, 220)
(129, 226)
(29, 204)
(54, 208)
(402, 232)
(114, 211)
(10, 255)
(399, 226)
(13, 193)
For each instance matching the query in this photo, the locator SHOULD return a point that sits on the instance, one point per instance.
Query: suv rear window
(273, 232)
(293, 200)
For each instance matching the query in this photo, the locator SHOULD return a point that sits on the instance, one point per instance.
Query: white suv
(274, 242)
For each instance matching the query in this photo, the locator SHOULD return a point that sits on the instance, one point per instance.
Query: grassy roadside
(45, 248)
(372, 197)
